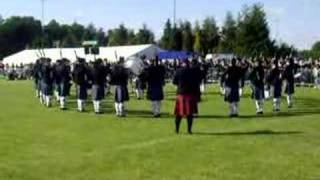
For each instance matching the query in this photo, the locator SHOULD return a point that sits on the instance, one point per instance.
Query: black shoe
(157, 116)
(63, 109)
(190, 132)
(259, 113)
(234, 115)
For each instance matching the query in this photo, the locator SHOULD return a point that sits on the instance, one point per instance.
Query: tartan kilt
(37, 84)
(46, 89)
(140, 85)
(121, 94)
(98, 92)
(155, 93)
(64, 88)
(82, 92)
(289, 88)
(276, 91)
(232, 94)
(258, 93)
(186, 105)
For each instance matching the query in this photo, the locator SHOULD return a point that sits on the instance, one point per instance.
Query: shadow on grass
(253, 133)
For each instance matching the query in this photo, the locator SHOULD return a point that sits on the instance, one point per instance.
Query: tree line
(248, 34)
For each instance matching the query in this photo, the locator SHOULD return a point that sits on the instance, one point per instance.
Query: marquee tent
(110, 53)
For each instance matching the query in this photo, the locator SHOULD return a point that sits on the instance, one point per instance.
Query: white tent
(110, 53)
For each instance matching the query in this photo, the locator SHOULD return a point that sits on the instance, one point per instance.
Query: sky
(293, 21)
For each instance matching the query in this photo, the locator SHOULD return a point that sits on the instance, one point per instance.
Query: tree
(187, 36)
(90, 33)
(101, 37)
(17, 33)
(198, 45)
(228, 35)
(177, 38)
(1, 20)
(210, 33)
(144, 36)
(131, 38)
(253, 32)
(118, 36)
(167, 36)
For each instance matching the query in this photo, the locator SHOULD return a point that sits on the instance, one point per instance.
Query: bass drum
(135, 65)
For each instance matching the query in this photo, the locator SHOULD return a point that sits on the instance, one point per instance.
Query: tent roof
(174, 55)
(110, 53)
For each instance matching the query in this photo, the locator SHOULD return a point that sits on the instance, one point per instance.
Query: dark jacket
(232, 76)
(155, 78)
(257, 76)
(81, 74)
(99, 74)
(62, 73)
(47, 73)
(288, 73)
(187, 81)
(119, 75)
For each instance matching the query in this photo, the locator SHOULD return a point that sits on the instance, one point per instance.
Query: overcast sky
(293, 21)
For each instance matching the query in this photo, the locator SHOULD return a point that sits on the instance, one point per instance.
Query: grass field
(37, 143)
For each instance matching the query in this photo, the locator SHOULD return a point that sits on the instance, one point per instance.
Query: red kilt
(186, 105)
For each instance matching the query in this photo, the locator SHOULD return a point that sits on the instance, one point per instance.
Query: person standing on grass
(99, 79)
(155, 78)
(140, 85)
(119, 78)
(36, 77)
(257, 78)
(47, 81)
(81, 78)
(198, 73)
(232, 77)
(288, 76)
(62, 79)
(187, 95)
(275, 81)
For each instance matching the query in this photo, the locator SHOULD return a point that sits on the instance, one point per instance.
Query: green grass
(37, 143)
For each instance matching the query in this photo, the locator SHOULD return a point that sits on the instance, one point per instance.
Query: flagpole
(42, 22)
(174, 12)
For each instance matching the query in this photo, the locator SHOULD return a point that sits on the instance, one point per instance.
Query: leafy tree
(210, 34)
(167, 36)
(118, 36)
(177, 39)
(198, 45)
(253, 32)
(17, 33)
(144, 36)
(228, 35)
(187, 36)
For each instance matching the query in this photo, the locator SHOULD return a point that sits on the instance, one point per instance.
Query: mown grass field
(37, 143)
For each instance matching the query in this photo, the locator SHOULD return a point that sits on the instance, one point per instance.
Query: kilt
(289, 88)
(82, 92)
(155, 93)
(46, 89)
(140, 84)
(37, 84)
(232, 94)
(186, 105)
(64, 88)
(258, 93)
(121, 94)
(276, 91)
(98, 92)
